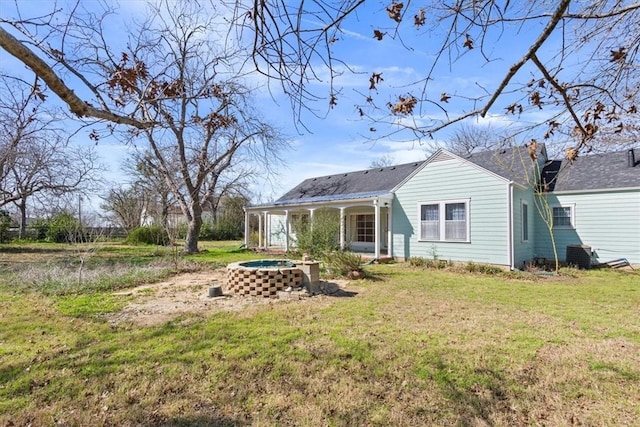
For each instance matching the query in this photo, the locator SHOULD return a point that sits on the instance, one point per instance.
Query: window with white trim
(524, 212)
(365, 228)
(562, 216)
(445, 221)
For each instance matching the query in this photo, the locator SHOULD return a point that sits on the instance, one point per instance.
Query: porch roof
(362, 184)
(331, 198)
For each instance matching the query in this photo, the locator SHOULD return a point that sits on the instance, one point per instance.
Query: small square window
(562, 216)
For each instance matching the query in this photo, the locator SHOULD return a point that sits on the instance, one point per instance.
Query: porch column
(286, 230)
(267, 229)
(311, 218)
(246, 228)
(259, 231)
(342, 228)
(389, 231)
(376, 225)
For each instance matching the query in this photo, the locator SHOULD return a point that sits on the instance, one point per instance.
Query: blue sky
(342, 141)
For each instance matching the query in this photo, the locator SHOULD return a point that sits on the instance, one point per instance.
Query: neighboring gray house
(482, 208)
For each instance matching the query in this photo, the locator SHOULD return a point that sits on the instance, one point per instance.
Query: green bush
(472, 267)
(151, 235)
(63, 227)
(416, 261)
(345, 264)
(5, 222)
(321, 239)
(429, 263)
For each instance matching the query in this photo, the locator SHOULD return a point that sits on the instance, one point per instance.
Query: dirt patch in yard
(188, 293)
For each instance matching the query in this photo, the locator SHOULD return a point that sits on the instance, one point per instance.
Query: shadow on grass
(487, 400)
(29, 250)
(334, 290)
(197, 421)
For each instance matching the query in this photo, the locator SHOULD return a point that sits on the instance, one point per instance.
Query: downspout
(510, 245)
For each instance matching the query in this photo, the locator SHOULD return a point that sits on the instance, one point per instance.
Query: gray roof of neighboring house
(594, 172)
(350, 185)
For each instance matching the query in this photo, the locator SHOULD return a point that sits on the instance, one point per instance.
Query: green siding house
(495, 207)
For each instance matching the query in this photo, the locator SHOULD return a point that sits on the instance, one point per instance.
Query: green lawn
(411, 347)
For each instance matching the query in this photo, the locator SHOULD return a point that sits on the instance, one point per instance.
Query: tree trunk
(23, 218)
(193, 230)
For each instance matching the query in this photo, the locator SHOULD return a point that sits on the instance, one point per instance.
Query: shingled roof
(513, 163)
(594, 172)
(350, 185)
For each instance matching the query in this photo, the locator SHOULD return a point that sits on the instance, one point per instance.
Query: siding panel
(608, 222)
(451, 180)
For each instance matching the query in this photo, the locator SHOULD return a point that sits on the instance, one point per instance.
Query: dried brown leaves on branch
(395, 11)
(558, 59)
(404, 106)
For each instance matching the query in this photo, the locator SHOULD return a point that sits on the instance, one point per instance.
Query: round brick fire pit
(263, 277)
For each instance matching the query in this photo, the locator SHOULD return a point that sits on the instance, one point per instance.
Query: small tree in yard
(319, 237)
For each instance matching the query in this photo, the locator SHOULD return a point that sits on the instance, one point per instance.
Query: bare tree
(49, 168)
(175, 84)
(126, 206)
(35, 159)
(382, 162)
(575, 64)
(20, 123)
(144, 172)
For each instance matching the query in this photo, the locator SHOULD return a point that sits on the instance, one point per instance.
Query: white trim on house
(572, 215)
(524, 221)
(595, 190)
(510, 239)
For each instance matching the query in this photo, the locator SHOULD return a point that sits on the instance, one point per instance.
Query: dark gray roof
(594, 172)
(513, 163)
(350, 185)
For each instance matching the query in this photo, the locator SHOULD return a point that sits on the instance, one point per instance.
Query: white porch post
(311, 210)
(259, 231)
(286, 230)
(342, 228)
(267, 229)
(246, 228)
(389, 231)
(376, 224)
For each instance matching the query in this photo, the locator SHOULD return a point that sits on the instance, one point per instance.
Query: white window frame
(442, 206)
(355, 227)
(572, 216)
(524, 221)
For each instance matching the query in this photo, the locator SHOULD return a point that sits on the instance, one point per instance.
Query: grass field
(410, 347)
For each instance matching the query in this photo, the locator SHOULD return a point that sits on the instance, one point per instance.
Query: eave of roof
(347, 198)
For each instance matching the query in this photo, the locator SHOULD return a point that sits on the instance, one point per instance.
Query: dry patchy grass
(412, 347)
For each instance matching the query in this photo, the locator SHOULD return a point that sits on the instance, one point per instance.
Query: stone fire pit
(266, 277)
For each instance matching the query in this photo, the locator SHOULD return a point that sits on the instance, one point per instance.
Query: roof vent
(631, 158)
(366, 171)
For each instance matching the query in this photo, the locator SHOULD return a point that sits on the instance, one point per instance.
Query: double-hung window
(563, 216)
(445, 221)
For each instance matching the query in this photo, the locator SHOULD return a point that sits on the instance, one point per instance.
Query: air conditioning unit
(579, 255)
